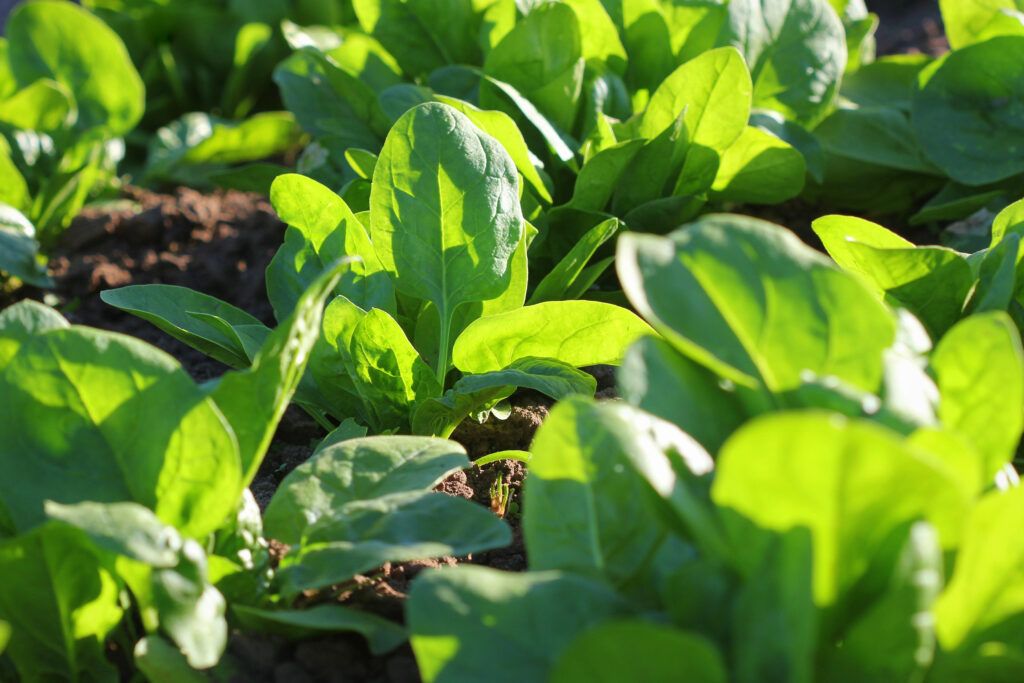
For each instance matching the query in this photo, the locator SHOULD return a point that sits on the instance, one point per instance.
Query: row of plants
(809, 473)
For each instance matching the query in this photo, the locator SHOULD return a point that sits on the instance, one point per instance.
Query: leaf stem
(442, 351)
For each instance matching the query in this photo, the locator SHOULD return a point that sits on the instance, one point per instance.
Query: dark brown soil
(909, 26)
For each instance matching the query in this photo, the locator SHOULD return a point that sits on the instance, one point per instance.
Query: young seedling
(501, 494)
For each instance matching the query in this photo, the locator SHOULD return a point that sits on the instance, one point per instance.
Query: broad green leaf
(321, 230)
(422, 35)
(660, 166)
(972, 128)
(600, 175)
(445, 215)
(181, 150)
(473, 393)
(76, 400)
(559, 143)
(849, 483)
(364, 57)
(881, 136)
(14, 190)
(167, 574)
(638, 650)
(23, 320)
(44, 106)
(985, 591)
(356, 470)
(501, 126)
(796, 135)
(932, 282)
(660, 380)
(599, 40)
(19, 250)
(161, 662)
(329, 103)
(890, 81)
(381, 634)
(714, 289)
(388, 372)
(5, 635)
(542, 58)
(774, 621)
(972, 21)
(61, 605)
(759, 168)
(173, 309)
(1010, 219)
(254, 400)
(579, 333)
(979, 358)
(62, 42)
(796, 51)
(712, 92)
(837, 232)
(460, 617)
(583, 455)
(997, 277)
(954, 202)
(895, 637)
(401, 527)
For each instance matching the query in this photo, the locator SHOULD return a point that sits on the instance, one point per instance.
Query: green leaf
(579, 333)
(932, 282)
(566, 272)
(189, 316)
(445, 216)
(895, 637)
(62, 42)
(972, 128)
(799, 137)
(44, 106)
(600, 175)
(61, 605)
(997, 277)
(460, 617)
(329, 103)
(23, 320)
(759, 168)
(979, 356)
(599, 39)
(838, 232)
(388, 372)
(381, 634)
(161, 662)
(881, 136)
(413, 33)
(321, 230)
(542, 58)
(660, 380)
(796, 50)
(712, 92)
(850, 483)
(714, 289)
(584, 455)
(890, 81)
(76, 400)
(501, 126)
(14, 192)
(472, 393)
(774, 624)
(127, 529)
(182, 149)
(978, 20)
(19, 250)
(1010, 219)
(637, 650)
(402, 527)
(357, 470)
(984, 595)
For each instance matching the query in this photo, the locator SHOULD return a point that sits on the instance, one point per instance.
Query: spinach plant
(68, 95)
(788, 509)
(440, 286)
(150, 522)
